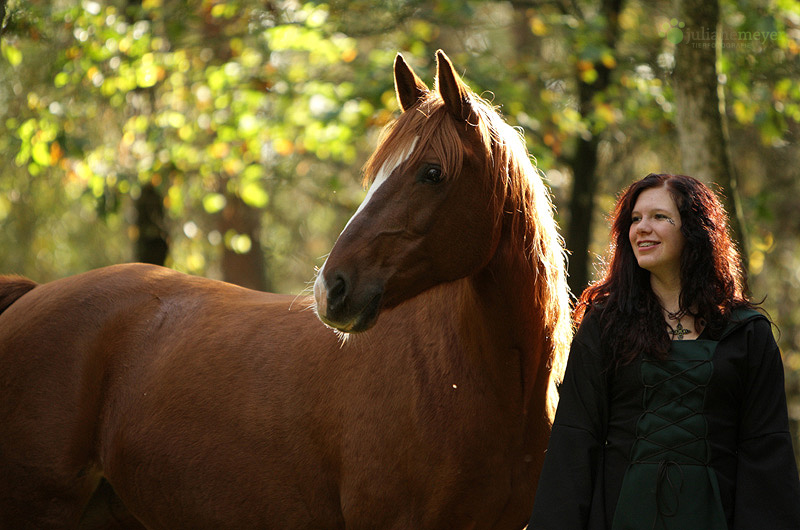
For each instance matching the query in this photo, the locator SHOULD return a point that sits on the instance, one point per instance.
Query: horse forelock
(429, 124)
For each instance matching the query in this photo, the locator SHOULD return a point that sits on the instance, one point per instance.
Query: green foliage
(271, 101)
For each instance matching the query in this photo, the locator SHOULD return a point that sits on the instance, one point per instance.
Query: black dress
(699, 441)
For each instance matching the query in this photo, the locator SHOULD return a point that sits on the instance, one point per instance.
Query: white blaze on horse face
(320, 289)
(384, 173)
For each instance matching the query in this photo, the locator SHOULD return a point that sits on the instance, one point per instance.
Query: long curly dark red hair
(713, 282)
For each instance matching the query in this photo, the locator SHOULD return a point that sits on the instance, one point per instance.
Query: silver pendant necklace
(679, 331)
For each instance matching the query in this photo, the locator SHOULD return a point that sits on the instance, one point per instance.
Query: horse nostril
(337, 292)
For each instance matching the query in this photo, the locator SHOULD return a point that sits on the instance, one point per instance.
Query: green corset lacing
(669, 484)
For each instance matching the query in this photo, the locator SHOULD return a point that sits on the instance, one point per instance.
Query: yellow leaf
(606, 113)
(608, 60)
(349, 55)
(538, 27)
(56, 153)
(214, 202)
(283, 147)
(41, 153)
(219, 150)
(12, 55)
(589, 76)
(253, 195)
(240, 243)
(232, 166)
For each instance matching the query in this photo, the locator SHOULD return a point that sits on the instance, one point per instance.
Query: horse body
(129, 373)
(206, 405)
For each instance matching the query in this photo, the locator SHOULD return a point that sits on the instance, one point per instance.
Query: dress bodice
(669, 483)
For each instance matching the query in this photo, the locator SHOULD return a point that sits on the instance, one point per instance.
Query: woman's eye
(664, 217)
(431, 175)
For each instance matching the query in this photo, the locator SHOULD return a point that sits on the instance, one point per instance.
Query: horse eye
(430, 175)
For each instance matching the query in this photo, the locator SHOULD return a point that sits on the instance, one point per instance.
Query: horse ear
(454, 92)
(408, 86)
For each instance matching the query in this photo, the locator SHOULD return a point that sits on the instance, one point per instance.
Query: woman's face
(655, 233)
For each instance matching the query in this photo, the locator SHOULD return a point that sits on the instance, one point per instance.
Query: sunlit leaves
(279, 107)
(37, 144)
(251, 190)
(239, 243)
(11, 54)
(147, 72)
(214, 202)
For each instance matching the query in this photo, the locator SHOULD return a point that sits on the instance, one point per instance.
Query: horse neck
(507, 288)
(489, 318)
(487, 315)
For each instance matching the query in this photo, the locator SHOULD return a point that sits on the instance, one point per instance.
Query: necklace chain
(677, 315)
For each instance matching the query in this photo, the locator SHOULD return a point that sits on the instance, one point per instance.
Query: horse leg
(31, 500)
(107, 512)
(86, 503)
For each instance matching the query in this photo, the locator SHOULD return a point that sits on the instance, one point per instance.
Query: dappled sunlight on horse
(423, 401)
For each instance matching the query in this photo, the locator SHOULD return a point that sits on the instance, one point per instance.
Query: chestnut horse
(206, 405)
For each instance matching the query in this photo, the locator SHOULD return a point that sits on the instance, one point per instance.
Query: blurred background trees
(224, 137)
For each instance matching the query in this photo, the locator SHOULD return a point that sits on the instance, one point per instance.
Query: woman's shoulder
(750, 333)
(745, 318)
(591, 326)
(593, 314)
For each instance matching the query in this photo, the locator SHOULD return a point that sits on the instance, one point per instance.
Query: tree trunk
(152, 245)
(242, 263)
(3, 16)
(584, 163)
(701, 119)
(243, 260)
(581, 211)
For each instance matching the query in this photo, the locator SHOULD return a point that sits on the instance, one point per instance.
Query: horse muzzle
(342, 307)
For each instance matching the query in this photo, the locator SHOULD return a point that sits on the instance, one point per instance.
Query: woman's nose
(643, 226)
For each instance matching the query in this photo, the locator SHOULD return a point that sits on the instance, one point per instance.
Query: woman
(673, 411)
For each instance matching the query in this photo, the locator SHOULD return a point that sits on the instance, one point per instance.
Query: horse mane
(523, 196)
(533, 234)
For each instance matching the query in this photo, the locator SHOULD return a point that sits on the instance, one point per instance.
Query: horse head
(428, 217)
